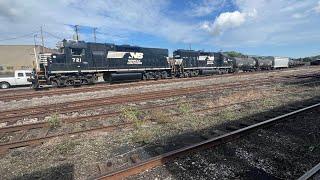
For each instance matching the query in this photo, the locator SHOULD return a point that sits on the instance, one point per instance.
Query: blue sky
(261, 27)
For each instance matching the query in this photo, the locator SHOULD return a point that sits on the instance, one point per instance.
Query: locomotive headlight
(54, 57)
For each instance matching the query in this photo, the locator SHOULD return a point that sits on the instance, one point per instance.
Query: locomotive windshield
(77, 51)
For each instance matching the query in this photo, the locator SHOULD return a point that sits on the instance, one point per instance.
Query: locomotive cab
(72, 54)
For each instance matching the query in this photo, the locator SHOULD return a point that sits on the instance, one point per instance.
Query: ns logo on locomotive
(80, 62)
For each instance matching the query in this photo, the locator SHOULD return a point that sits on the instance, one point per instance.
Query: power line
(114, 35)
(42, 41)
(52, 35)
(19, 37)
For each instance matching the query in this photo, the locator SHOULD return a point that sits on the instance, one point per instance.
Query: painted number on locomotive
(76, 59)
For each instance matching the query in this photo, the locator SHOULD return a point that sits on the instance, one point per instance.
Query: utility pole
(76, 27)
(34, 39)
(35, 64)
(94, 34)
(190, 46)
(42, 42)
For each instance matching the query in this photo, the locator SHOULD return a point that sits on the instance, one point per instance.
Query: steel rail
(162, 159)
(40, 111)
(45, 108)
(43, 136)
(310, 173)
(100, 87)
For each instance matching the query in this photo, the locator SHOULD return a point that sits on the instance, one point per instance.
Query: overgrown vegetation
(134, 115)
(228, 114)
(54, 121)
(66, 147)
(142, 136)
(267, 102)
(184, 108)
(160, 117)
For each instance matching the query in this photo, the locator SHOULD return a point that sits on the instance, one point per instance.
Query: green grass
(185, 108)
(134, 115)
(66, 147)
(142, 136)
(54, 121)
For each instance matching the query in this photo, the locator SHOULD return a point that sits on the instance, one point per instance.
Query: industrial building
(19, 57)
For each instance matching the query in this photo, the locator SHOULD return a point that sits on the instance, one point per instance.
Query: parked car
(20, 78)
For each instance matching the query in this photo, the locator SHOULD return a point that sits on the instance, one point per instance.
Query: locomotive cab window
(77, 51)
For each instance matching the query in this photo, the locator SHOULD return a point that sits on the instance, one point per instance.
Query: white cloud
(112, 17)
(317, 8)
(205, 7)
(228, 20)
(265, 22)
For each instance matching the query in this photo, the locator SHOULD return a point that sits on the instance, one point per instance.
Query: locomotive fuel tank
(125, 77)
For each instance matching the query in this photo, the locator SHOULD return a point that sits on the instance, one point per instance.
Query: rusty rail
(162, 159)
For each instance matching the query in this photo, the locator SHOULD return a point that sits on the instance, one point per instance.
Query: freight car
(263, 63)
(279, 62)
(80, 63)
(315, 62)
(245, 64)
(296, 63)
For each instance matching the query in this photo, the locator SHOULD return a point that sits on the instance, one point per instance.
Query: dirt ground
(153, 131)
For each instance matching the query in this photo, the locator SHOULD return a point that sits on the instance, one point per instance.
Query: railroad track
(312, 173)
(142, 166)
(11, 95)
(44, 124)
(22, 94)
(13, 116)
(44, 127)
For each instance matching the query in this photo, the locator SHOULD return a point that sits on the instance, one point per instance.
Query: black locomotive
(80, 63)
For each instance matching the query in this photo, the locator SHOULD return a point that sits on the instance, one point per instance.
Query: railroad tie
(218, 132)
(43, 133)
(135, 158)
(232, 128)
(244, 124)
(19, 136)
(104, 167)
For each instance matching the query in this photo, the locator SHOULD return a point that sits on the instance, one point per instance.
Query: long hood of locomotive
(108, 60)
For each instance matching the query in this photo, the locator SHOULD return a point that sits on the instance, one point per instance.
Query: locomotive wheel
(84, 81)
(164, 75)
(54, 83)
(70, 82)
(144, 77)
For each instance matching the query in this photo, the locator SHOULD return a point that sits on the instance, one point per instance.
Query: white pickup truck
(19, 79)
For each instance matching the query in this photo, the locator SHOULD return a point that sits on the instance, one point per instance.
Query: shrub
(54, 121)
(133, 115)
